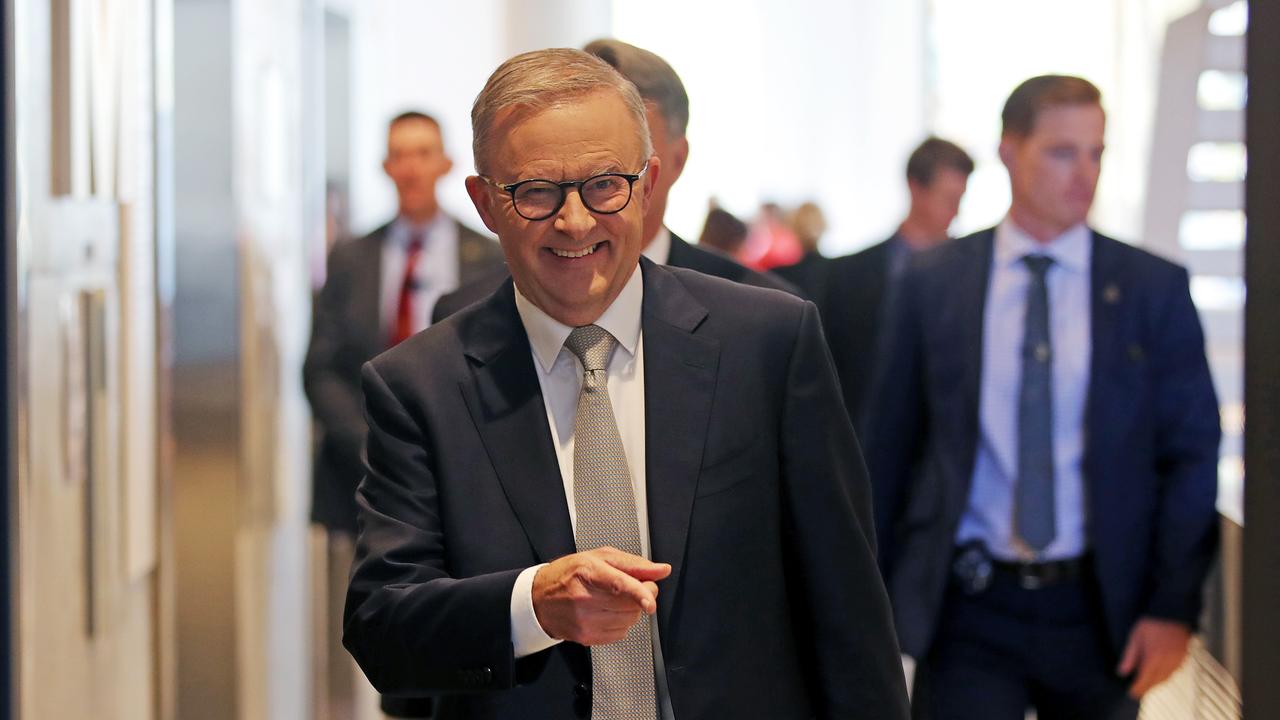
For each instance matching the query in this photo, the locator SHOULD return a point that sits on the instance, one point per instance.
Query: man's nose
(573, 218)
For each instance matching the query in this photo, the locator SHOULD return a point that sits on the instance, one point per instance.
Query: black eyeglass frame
(564, 191)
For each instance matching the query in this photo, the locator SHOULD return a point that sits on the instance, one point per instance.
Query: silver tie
(622, 671)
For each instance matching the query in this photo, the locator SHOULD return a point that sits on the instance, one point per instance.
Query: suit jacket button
(484, 676)
(582, 700)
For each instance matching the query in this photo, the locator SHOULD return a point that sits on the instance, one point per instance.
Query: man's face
(573, 264)
(1053, 172)
(415, 162)
(673, 152)
(939, 201)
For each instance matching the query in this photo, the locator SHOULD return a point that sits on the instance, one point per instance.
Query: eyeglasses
(538, 199)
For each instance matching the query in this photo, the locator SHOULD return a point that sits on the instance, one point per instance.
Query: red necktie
(404, 309)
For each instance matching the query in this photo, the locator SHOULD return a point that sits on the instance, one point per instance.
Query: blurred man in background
(861, 287)
(1044, 446)
(379, 290)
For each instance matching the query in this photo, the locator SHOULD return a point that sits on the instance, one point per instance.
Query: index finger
(636, 566)
(610, 579)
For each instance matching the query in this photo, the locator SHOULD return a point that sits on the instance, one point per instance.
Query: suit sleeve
(413, 628)
(838, 595)
(1187, 436)
(334, 397)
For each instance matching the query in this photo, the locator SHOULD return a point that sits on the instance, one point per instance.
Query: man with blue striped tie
(1043, 446)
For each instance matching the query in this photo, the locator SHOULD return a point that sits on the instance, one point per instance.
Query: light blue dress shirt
(989, 516)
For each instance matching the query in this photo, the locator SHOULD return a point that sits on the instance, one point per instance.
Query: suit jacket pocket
(730, 469)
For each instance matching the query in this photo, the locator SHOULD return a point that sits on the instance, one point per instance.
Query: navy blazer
(1151, 435)
(757, 497)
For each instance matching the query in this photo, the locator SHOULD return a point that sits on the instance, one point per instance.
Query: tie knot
(415, 242)
(592, 344)
(1038, 264)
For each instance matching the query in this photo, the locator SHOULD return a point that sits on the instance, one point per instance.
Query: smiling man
(622, 491)
(1043, 445)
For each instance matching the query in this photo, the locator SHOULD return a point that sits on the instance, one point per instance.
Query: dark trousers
(1008, 649)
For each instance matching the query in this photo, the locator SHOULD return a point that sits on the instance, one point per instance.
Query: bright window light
(1212, 230)
(1217, 292)
(1221, 90)
(1231, 20)
(1216, 162)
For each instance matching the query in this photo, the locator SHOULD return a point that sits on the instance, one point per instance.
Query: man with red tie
(380, 290)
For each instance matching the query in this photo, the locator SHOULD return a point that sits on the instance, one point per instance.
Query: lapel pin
(1111, 294)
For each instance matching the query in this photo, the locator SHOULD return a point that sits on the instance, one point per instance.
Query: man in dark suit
(622, 490)
(1044, 445)
(667, 106)
(859, 286)
(380, 289)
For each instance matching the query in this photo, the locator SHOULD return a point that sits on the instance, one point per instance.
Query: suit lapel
(505, 402)
(679, 380)
(969, 303)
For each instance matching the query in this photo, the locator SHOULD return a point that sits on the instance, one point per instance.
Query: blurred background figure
(1043, 445)
(809, 274)
(770, 241)
(861, 287)
(722, 232)
(380, 290)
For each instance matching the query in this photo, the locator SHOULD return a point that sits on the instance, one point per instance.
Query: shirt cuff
(527, 635)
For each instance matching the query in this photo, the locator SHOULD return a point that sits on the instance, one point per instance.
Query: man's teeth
(576, 254)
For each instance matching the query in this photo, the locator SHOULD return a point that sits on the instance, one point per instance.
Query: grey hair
(543, 79)
(657, 82)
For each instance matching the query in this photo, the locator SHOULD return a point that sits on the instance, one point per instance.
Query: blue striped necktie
(1033, 501)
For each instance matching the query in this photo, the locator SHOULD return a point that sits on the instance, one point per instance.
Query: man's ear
(448, 165)
(651, 177)
(679, 156)
(483, 200)
(1008, 148)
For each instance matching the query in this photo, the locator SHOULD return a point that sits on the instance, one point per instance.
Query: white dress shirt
(659, 248)
(436, 272)
(560, 377)
(989, 516)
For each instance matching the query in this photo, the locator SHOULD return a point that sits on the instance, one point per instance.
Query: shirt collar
(621, 319)
(1071, 250)
(659, 248)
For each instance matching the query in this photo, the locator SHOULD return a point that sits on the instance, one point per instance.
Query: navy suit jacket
(757, 497)
(1151, 435)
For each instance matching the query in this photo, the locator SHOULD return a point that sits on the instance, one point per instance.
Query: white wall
(792, 101)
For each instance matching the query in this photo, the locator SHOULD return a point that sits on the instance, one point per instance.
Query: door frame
(8, 397)
(1261, 378)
